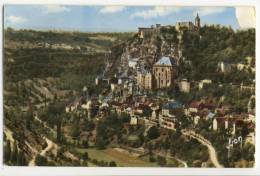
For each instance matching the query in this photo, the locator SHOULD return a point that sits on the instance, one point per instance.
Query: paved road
(203, 141)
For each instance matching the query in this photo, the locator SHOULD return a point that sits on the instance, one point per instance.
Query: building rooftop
(210, 115)
(165, 60)
(172, 105)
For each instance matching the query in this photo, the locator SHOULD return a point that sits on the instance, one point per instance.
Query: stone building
(144, 32)
(145, 79)
(171, 110)
(189, 25)
(184, 86)
(165, 72)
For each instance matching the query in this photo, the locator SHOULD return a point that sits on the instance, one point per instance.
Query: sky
(120, 18)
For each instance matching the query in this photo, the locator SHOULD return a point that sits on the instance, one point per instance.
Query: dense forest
(214, 44)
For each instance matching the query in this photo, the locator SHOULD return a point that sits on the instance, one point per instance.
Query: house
(167, 118)
(250, 138)
(184, 86)
(215, 124)
(204, 82)
(196, 120)
(133, 120)
(195, 106)
(145, 79)
(210, 116)
(155, 109)
(132, 62)
(224, 67)
(241, 66)
(251, 117)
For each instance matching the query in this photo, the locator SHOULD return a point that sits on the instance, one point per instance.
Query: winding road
(50, 145)
(203, 141)
(181, 161)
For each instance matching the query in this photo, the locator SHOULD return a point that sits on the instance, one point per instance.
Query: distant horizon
(120, 18)
(103, 31)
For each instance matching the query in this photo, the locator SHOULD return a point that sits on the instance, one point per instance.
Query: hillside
(40, 66)
(46, 74)
(198, 53)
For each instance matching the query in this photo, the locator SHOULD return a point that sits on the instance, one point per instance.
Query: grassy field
(124, 159)
(121, 158)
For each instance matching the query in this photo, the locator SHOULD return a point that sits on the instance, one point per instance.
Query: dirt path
(50, 146)
(205, 142)
(181, 161)
(9, 136)
(44, 124)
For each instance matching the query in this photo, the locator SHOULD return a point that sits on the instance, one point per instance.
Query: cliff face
(150, 48)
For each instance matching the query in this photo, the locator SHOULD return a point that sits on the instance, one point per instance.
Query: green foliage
(85, 144)
(29, 119)
(7, 151)
(21, 159)
(112, 164)
(161, 161)
(85, 156)
(41, 160)
(107, 129)
(212, 45)
(14, 154)
(75, 132)
(153, 133)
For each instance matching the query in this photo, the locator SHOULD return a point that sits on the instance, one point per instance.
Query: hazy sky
(119, 18)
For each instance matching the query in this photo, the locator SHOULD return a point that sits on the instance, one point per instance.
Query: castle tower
(197, 21)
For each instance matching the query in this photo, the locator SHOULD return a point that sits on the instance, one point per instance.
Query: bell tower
(197, 21)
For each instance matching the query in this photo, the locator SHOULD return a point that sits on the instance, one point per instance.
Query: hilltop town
(179, 95)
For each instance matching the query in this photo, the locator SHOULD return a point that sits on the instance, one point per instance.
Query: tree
(85, 156)
(21, 159)
(112, 164)
(14, 153)
(244, 130)
(41, 160)
(75, 131)
(161, 161)
(100, 143)
(7, 151)
(150, 149)
(59, 131)
(153, 133)
(85, 144)
(29, 118)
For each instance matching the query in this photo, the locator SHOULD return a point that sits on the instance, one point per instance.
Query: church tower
(197, 21)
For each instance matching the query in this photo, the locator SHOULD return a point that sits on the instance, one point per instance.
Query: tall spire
(197, 21)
